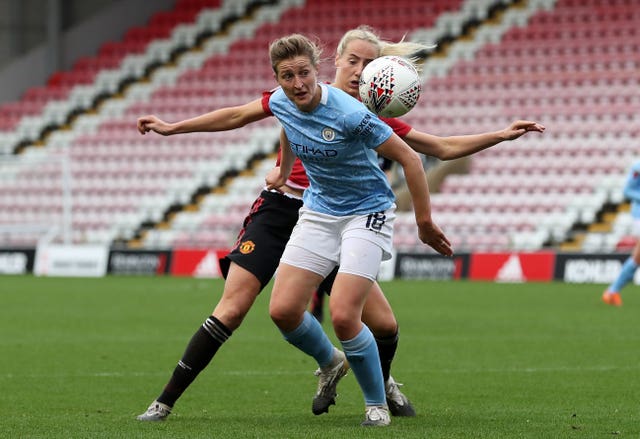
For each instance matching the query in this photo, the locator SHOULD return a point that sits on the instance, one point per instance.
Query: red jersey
(298, 178)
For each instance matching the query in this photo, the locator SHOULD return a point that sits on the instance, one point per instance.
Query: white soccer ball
(390, 86)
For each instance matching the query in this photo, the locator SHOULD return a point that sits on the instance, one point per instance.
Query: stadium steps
(191, 224)
(464, 21)
(458, 50)
(517, 76)
(611, 232)
(92, 79)
(452, 21)
(60, 140)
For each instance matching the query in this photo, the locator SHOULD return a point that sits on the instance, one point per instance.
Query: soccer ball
(390, 86)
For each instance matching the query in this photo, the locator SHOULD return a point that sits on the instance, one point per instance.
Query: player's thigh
(310, 255)
(264, 235)
(359, 264)
(360, 256)
(377, 313)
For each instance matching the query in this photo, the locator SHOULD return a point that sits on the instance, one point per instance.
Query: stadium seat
(519, 195)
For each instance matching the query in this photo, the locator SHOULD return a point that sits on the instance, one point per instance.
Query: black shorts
(264, 235)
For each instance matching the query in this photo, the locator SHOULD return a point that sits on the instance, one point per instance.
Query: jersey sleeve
(369, 128)
(266, 96)
(399, 127)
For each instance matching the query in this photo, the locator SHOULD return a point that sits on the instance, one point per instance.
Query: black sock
(203, 346)
(387, 350)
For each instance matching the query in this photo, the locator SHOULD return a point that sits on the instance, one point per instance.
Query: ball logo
(247, 247)
(381, 89)
(328, 134)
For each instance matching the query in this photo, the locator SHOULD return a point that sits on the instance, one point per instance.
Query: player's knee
(382, 325)
(344, 323)
(283, 316)
(232, 317)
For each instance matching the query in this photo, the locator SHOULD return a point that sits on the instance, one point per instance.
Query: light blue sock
(362, 354)
(311, 339)
(625, 276)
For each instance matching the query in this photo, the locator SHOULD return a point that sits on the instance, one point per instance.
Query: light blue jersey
(336, 143)
(632, 189)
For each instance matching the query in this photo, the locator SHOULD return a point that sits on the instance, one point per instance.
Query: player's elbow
(411, 160)
(446, 155)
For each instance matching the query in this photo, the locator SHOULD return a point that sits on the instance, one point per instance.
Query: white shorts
(358, 243)
(635, 227)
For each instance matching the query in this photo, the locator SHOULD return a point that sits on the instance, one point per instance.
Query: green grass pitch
(80, 358)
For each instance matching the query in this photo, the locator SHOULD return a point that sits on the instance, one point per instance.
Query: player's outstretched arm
(429, 233)
(222, 119)
(453, 147)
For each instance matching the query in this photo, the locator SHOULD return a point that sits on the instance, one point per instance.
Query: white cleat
(328, 381)
(376, 416)
(157, 411)
(399, 405)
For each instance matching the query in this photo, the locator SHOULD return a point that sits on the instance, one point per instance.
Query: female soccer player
(631, 190)
(269, 225)
(348, 213)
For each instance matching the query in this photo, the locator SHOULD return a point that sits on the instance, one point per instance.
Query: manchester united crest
(247, 247)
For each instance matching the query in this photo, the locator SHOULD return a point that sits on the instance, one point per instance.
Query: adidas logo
(208, 266)
(511, 271)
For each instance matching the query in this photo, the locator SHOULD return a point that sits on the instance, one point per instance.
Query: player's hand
(152, 123)
(520, 127)
(275, 179)
(431, 235)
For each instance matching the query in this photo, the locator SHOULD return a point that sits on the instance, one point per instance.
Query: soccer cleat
(376, 416)
(399, 405)
(611, 298)
(157, 411)
(329, 377)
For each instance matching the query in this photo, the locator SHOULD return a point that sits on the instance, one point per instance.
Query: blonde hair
(413, 51)
(291, 46)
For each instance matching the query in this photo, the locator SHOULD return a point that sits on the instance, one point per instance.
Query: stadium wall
(91, 261)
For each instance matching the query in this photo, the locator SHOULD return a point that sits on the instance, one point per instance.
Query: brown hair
(291, 46)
